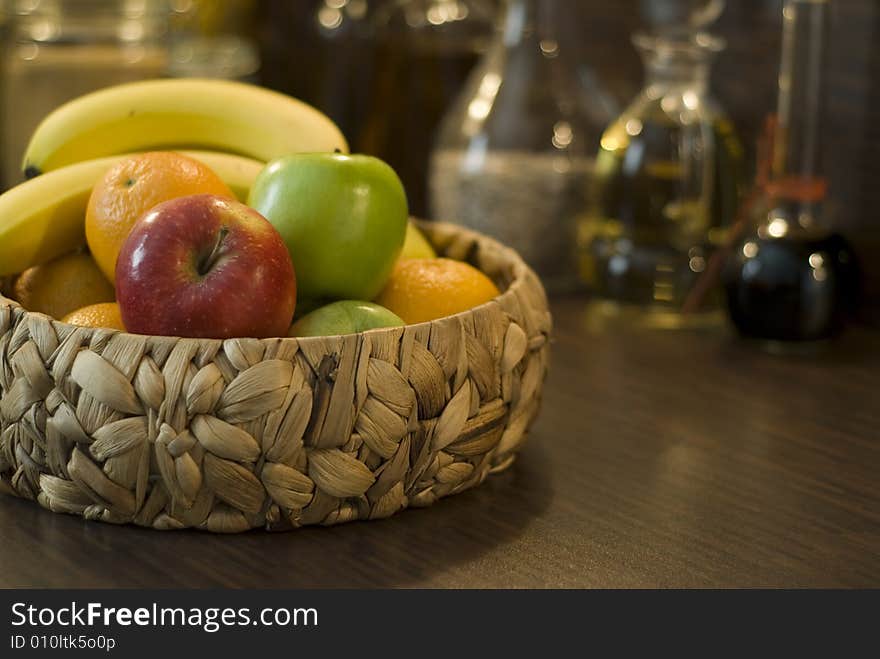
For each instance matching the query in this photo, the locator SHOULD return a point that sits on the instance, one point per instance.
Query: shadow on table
(42, 549)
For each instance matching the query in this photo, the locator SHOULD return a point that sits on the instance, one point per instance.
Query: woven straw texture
(227, 436)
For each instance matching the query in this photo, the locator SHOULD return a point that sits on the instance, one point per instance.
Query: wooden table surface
(659, 460)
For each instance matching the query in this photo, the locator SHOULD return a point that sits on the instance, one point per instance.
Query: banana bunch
(238, 128)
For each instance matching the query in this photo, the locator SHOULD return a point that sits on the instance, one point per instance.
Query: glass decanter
(790, 277)
(666, 186)
(515, 153)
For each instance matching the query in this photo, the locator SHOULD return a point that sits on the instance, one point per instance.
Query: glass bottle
(666, 186)
(679, 17)
(336, 38)
(790, 277)
(214, 39)
(516, 150)
(60, 49)
(425, 50)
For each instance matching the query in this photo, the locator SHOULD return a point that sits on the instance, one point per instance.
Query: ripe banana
(217, 115)
(45, 217)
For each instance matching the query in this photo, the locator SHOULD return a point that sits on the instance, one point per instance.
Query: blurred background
(542, 122)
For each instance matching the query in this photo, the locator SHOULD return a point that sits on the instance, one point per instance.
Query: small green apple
(343, 219)
(344, 317)
(415, 245)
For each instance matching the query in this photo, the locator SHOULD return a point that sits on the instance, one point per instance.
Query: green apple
(343, 219)
(415, 245)
(344, 317)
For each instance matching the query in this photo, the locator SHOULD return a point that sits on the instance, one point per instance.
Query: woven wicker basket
(227, 436)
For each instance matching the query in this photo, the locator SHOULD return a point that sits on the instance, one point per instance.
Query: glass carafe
(666, 186)
(515, 153)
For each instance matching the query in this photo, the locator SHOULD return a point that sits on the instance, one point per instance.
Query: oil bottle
(666, 187)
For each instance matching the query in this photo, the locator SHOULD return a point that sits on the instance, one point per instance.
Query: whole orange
(426, 289)
(106, 314)
(131, 188)
(62, 285)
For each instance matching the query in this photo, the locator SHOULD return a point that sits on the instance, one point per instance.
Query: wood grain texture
(659, 460)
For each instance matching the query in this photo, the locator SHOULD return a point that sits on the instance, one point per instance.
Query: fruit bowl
(227, 436)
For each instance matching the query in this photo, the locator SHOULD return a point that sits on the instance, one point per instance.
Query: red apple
(205, 266)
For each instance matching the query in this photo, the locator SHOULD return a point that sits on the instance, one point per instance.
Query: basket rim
(518, 267)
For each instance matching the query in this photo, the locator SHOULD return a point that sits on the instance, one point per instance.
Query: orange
(62, 285)
(425, 289)
(131, 188)
(106, 314)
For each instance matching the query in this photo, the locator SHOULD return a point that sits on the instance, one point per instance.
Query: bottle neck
(796, 139)
(525, 19)
(661, 75)
(682, 62)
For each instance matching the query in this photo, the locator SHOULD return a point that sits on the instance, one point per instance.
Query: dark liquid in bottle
(799, 288)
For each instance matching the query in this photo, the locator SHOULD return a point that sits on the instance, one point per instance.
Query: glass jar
(666, 186)
(425, 50)
(61, 49)
(516, 151)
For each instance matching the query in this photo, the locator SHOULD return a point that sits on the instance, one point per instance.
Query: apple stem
(206, 264)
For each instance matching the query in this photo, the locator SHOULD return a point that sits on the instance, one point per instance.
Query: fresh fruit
(415, 245)
(218, 115)
(106, 314)
(131, 188)
(343, 219)
(60, 286)
(344, 317)
(425, 289)
(205, 266)
(43, 218)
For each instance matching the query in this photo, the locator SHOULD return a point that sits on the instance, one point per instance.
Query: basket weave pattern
(227, 436)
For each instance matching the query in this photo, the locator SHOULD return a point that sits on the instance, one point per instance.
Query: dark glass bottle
(801, 287)
(791, 277)
(322, 52)
(425, 50)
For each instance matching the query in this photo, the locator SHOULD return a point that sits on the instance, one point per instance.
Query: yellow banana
(45, 217)
(238, 172)
(217, 115)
